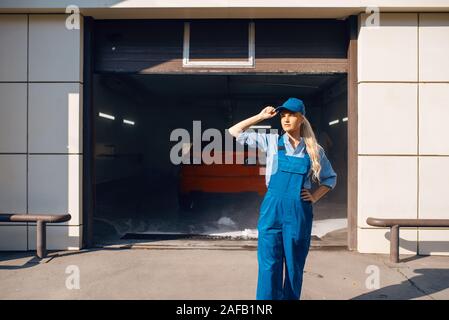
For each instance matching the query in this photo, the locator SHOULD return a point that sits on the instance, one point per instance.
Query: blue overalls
(285, 225)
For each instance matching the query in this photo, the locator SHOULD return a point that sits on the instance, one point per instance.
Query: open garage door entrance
(140, 192)
(145, 78)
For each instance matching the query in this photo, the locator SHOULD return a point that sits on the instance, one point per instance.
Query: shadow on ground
(427, 282)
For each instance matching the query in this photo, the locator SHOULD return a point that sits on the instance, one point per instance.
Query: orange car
(222, 178)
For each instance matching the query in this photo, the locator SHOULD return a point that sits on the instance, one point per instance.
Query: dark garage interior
(137, 188)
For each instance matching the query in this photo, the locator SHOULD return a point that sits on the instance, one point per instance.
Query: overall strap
(281, 145)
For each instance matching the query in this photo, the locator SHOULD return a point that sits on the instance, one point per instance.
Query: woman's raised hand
(267, 113)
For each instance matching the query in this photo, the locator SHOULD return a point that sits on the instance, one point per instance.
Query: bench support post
(41, 239)
(394, 244)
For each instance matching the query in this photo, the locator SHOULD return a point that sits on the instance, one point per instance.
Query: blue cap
(294, 105)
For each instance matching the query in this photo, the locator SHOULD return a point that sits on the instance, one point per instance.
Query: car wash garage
(150, 78)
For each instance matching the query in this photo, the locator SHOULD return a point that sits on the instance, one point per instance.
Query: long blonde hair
(312, 147)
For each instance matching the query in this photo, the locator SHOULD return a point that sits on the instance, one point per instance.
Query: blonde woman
(294, 160)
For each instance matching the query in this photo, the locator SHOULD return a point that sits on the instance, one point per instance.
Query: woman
(286, 213)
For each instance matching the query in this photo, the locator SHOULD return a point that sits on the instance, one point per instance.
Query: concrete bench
(41, 221)
(395, 224)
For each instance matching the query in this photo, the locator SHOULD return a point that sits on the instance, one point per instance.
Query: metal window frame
(250, 63)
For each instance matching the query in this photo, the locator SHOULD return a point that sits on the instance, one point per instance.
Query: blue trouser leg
(296, 240)
(270, 259)
(295, 258)
(270, 250)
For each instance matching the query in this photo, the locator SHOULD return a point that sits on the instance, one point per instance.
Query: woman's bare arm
(266, 113)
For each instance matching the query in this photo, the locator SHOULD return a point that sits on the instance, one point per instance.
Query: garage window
(220, 44)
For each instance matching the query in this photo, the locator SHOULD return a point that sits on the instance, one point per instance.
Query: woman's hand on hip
(307, 196)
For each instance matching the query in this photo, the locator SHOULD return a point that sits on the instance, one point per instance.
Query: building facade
(398, 93)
